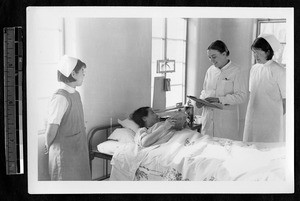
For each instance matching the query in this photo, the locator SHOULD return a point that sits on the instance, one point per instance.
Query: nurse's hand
(213, 100)
(46, 150)
(199, 105)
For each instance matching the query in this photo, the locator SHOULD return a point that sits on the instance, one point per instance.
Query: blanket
(191, 156)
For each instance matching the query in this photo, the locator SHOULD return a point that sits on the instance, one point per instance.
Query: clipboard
(206, 103)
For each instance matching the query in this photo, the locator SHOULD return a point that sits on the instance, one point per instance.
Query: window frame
(262, 20)
(165, 40)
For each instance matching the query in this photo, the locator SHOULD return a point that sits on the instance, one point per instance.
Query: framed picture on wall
(165, 66)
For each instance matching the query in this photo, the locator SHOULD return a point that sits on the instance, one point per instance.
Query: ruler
(13, 103)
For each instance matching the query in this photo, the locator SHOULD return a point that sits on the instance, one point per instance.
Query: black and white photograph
(108, 107)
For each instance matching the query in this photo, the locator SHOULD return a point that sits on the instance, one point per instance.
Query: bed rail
(96, 136)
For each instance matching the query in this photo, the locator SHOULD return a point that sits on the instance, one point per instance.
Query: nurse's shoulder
(277, 69)
(234, 67)
(276, 66)
(256, 67)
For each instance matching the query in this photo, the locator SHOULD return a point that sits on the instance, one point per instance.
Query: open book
(206, 103)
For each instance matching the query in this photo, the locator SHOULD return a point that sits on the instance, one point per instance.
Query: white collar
(224, 67)
(67, 88)
(268, 62)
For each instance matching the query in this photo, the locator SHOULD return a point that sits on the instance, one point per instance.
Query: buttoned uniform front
(228, 85)
(264, 118)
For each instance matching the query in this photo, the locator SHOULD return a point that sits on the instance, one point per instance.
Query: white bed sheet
(191, 156)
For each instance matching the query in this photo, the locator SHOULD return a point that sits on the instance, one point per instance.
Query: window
(277, 27)
(169, 43)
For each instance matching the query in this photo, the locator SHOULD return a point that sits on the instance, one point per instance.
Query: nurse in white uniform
(66, 139)
(266, 108)
(223, 84)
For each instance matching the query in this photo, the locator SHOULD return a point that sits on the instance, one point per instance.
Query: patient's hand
(180, 120)
(172, 121)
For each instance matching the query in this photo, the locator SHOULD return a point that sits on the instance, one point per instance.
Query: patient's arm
(51, 132)
(147, 137)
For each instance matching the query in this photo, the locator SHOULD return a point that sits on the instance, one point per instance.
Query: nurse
(266, 107)
(223, 84)
(66, 140)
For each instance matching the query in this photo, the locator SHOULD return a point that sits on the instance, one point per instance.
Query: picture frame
(165, 66)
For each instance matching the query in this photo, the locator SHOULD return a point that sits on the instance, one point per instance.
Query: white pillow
(109, 147)
(124, 135)
(128, 123)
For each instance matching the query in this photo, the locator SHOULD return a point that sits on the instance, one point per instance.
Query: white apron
(229, 86)
(264, 118)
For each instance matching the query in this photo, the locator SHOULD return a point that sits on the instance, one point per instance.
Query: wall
(237, 35)
(117, 53)
(118, 57)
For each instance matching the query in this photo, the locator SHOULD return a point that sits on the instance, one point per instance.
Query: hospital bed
(103, 148)
(96, 136)
(188, 155)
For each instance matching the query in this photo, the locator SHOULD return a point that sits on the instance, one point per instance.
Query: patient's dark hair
(137, 116)
(62, 78)
(219, 46)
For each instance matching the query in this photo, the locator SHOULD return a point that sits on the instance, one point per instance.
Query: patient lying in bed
(187, 155)
(152, 131)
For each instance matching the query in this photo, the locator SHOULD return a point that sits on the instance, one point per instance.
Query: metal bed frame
(95, 137)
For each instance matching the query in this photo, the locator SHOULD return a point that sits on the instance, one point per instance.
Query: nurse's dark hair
(137, 116)
(62, 78)
(219, 46)
(261, 43)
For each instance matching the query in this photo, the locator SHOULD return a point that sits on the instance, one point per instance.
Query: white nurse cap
(67, 65)
(272, 40)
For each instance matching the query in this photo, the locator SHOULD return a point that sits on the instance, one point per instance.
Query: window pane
(157, 49)
(174, 96)
(278, 29)
(176, 28)
(158, 29)
(178, 76)
(176, 50)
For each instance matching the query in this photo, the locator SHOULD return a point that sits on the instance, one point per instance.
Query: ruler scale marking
(13, 76)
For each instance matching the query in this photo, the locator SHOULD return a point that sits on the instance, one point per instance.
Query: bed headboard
(95, 136)
(99, 134)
